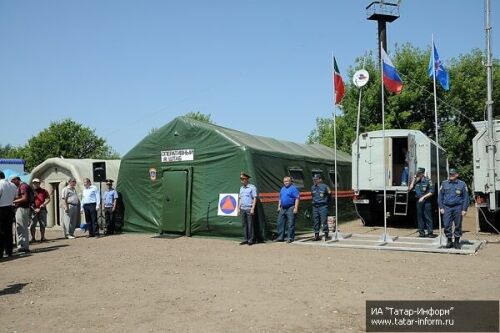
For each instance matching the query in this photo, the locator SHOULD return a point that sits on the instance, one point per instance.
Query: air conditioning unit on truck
(404, 148)
(487, 196)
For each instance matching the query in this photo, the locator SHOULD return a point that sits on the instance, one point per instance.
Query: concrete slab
(410, 244)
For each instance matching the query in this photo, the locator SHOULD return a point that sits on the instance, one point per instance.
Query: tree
(414, 107)
(8, 151)
(199, 116)
(67, 139)
(463, 104)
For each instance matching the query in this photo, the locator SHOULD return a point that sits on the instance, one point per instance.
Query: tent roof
(79, 168)
(266, 144)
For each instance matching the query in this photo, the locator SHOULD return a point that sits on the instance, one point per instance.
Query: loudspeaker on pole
(99, 169)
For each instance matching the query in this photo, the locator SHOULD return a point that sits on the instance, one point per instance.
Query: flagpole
(384, 238)
(433, 57)
(357, 133)
(336, 177)
(337, 236)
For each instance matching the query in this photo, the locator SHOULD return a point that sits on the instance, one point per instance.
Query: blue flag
(441, 74)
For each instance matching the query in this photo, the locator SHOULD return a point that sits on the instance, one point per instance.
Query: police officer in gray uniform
(453, 202)
(320, 198)
(423, 192)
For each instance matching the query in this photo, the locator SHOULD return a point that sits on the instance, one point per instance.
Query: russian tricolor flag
(392, 81)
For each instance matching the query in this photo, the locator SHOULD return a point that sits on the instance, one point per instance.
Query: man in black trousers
(91, 199)
(8, 193)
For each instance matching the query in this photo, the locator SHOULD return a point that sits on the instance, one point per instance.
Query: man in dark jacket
(453, 202)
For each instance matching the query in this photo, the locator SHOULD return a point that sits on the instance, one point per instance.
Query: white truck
(487, 197)
(485, 151)
(404, 148)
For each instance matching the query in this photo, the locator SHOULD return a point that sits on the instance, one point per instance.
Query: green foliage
(67, 139)
(200, 117)
(8, 151)
(414, 107)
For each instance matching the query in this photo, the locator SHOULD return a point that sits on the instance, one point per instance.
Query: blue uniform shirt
(423, 186)
(320, 194)
(288, 196)
(247, 194)
(109, 197)
(453, 193)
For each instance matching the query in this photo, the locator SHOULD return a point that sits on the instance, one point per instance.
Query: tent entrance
(175, 204)
(56, 207)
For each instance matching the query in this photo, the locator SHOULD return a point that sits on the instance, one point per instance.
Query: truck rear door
(412, 156)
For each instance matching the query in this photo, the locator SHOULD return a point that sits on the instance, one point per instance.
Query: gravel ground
(146, 283)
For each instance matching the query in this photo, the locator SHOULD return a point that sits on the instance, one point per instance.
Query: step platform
(379, 242)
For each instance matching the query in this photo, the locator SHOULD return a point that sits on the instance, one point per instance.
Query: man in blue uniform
(320, 198)
(453, 203)
(423, 192)
(110, 199)
(288, 206)
(246, 209)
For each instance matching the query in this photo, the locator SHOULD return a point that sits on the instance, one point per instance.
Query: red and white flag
(338, 84)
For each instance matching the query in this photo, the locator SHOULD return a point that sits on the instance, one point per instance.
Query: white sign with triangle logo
(228, 204)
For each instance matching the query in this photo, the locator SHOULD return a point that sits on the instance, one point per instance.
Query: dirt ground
(146, 283)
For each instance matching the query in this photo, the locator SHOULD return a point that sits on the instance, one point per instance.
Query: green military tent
(173, 179)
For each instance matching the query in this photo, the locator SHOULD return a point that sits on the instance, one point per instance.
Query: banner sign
(177, 155)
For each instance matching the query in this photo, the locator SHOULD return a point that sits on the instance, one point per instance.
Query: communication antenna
(491, 148)
(382, 12)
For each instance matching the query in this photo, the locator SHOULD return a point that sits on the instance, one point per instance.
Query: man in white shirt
(90, 204)
(8, 192)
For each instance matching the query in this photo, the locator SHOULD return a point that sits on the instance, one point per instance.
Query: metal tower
(382, 12)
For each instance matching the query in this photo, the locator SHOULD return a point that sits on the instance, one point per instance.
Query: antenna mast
(489, 105)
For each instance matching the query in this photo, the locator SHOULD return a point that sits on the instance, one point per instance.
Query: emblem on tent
(152, 174)
(228, 203)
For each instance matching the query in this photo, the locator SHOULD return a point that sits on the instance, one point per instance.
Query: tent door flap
(174, 201)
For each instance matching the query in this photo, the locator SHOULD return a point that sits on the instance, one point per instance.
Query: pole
(357, 133)
(337, 236)
(335, 171)
(436, 126)
(491, 134)
(384, 238)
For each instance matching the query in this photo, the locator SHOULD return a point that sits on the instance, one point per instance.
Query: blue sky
(123, 67)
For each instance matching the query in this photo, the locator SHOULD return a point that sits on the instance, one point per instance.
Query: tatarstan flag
(338, 84)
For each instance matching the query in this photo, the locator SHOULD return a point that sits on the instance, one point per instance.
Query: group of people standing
(453, 201)
(28, 207)
(25, 205)
(89, 204)
(288, 206)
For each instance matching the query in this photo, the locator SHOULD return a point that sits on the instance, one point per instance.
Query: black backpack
(31, 196)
